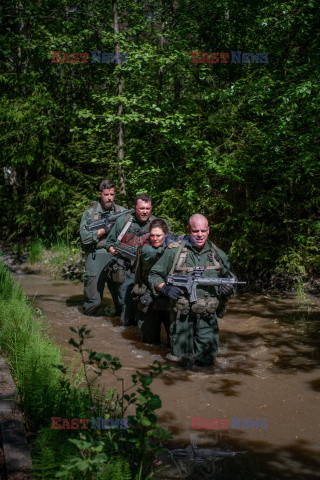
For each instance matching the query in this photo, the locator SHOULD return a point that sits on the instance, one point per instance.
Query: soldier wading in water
(131, 230)
(194, 331)
(153, 307)
(98, 259)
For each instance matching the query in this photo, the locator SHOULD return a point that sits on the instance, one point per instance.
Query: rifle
(126, 252)
(106, 222)
(191, 283)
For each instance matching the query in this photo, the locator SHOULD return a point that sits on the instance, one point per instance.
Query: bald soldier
(194, 331)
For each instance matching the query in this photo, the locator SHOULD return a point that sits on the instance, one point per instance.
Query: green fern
(51, 449)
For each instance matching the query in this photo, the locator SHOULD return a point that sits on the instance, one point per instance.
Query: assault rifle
(126, 252)
(106, 222)
(191, 283)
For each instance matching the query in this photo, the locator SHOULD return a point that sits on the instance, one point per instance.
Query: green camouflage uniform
(136, 235)
(193, 331)
(150, 316)
(97, 261)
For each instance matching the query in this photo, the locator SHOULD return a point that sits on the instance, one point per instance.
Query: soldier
(153, 309)
(96, 268)
(131, 230)
(194, 331)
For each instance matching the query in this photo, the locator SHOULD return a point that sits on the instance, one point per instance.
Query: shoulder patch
(174, 245)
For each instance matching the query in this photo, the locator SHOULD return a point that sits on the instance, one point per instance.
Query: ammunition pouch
(118, 272)
(200, 306)
(139, 289)
(204, 307)
(182, 306)
(144, 302)
(143, 297)
(212, 305)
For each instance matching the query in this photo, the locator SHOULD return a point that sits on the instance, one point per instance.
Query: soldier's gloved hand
(226, 290)
(172, 292)
(146, 299)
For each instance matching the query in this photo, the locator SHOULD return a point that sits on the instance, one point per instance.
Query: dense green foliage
(236, 142)
(47, 389)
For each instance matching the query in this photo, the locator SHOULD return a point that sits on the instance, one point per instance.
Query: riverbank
(268, 367)
(67, 262)
(60, 261)
(46, 388)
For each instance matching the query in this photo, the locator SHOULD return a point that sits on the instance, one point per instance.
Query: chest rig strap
(181, 259)
(127, 225)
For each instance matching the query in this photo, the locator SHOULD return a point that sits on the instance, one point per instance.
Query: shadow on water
(260, 460)
(262, 340)
(315, 385)
(75, 300)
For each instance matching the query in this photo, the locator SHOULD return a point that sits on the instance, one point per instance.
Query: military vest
(180, 260)
(132, 234)
(204, 306)
(94, 215)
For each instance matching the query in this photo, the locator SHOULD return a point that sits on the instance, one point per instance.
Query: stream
(264, 388)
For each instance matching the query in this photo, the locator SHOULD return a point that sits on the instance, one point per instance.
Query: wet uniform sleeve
(226, 265)
(226, 269)
(115, 232)
(87, 238)
(160, 270)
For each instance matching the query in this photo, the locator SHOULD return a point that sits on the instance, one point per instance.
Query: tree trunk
(120, 105)
(160, 82)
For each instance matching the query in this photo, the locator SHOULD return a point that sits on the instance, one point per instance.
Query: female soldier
(153, 308)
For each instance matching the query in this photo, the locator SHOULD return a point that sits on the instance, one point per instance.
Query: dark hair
(142, 196)
(106, 184)
(159, 223)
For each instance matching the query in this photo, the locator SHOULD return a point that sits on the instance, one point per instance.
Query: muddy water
(268, 367)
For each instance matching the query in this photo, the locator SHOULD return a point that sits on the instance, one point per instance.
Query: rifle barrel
(125, 253)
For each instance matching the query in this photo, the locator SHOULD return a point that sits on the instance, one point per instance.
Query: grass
(32, 355)
(36, 251)
(53, 260)
(47, 389)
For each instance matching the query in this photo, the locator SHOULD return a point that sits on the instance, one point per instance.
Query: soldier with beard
(98, 259)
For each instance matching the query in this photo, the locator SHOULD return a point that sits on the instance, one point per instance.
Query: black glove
(226, 290)
(172, 292)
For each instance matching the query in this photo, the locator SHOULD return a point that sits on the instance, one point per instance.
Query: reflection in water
(267, 367)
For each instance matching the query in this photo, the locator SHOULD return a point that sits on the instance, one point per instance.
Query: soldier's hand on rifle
(112, 250)
(226, 290)
(101, 232)
(172, 292)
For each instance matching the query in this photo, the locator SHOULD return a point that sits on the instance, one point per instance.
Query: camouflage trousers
(95, 277)
(199, 337)
(149, 324)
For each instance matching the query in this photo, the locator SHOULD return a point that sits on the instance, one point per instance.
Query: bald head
(196, 218)
(198, 230)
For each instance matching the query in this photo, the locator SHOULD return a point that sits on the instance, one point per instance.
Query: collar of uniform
(141, 224)
(206, 248)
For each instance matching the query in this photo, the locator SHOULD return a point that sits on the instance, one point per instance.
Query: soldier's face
(142, 210)
(157, 237)
(199, 232)
(107, 198)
